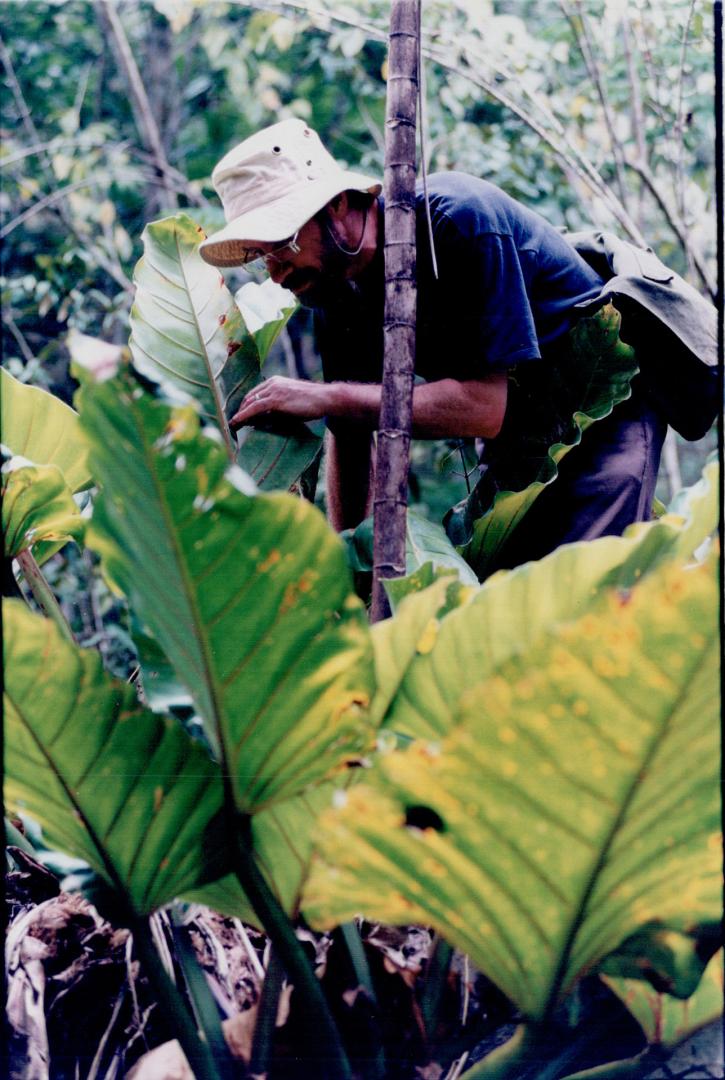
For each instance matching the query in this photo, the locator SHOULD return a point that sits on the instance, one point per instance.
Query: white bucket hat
(271, 184)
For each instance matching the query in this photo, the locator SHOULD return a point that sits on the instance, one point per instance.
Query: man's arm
(447, 408)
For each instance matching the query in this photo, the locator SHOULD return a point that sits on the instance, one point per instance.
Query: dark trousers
(604, 484)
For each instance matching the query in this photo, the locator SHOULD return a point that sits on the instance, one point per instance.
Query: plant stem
(172, 1005)
(435, 976)
(202, 1000)
(374, 1069)
(43, 593)
(280, 931)
(356, 951)
(259, 1062)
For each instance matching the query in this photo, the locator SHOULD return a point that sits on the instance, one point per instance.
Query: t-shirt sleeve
(482, 279)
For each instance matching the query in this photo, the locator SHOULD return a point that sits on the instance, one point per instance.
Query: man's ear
(339, 206)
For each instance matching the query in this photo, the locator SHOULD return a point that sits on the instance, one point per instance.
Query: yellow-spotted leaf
(36, 506)
(41, 428)
(507, 615)
(108, 781)
(572, 803)
(248, 596)
(413, 632)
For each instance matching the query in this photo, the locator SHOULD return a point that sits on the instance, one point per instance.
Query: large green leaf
(426, 545)
(573, 801)
(275, 460)
(413, 631)
(44, 430)
(665, 1020)
(187, 332)
(185, 327)
(248, 597)
(513, 609)
(36, 507)
(108, 781)
(594, 379)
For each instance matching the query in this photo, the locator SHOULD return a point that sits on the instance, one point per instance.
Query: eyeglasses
(260, 260)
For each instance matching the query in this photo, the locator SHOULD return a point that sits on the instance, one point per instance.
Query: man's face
(317, 273)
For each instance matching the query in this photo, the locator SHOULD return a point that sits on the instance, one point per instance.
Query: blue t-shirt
(507, 284)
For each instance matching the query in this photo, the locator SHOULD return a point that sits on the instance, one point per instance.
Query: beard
(327, 286)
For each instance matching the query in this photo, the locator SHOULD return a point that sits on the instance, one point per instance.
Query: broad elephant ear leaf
(594, 376)
(513, 609)
(188, 333)
(109, 782)
(44, 430)
(186, 330)
(573, 801)
(413, 632)
(37, 507)
(248, 597)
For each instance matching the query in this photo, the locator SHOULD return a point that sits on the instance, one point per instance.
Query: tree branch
(637, 113)
(583, 39)
(568, 156)
(115, 272)
(145, 121)
(679, 124)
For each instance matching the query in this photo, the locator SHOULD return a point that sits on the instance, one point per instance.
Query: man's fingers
(253, 405)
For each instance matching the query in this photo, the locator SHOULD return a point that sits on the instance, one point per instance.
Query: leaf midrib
(190, 594)
(223, 426)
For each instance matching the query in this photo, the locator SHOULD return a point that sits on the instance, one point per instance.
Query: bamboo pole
(396, 408)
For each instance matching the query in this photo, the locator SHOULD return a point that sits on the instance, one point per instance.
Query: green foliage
(187, 331)
(570, 801)
(511, 97)
(428, 553)
(248, 597)
(433, 659)
(185, 326)
(36, 506)
(535, 733)
(39, 427)
(589, 382)
(108, 781)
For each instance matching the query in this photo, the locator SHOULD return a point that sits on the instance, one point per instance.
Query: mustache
(300, 277)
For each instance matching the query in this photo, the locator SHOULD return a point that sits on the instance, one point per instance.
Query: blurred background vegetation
(591, 111)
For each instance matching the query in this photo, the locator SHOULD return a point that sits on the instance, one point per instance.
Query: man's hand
(291, 397)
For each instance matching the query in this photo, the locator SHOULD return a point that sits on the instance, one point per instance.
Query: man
(495, 326)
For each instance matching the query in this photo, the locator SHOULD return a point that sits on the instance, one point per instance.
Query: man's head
(288, 201)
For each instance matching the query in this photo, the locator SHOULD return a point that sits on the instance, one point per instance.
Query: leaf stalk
(43, 594)
(172, 1004)
(289, 950)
